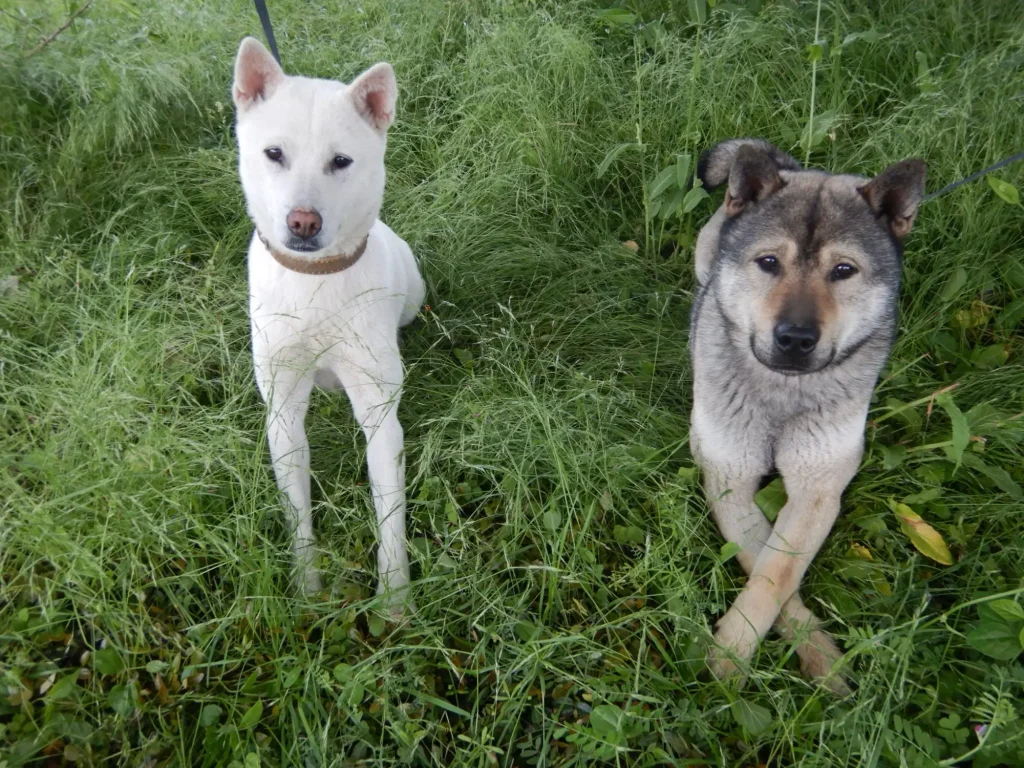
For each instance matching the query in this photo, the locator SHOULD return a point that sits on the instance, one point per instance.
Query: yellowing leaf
(925, 539)
(860, 551)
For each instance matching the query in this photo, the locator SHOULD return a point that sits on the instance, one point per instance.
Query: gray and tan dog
(799, 273)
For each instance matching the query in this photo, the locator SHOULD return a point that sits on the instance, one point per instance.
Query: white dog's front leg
(374, 398)
(287, 397)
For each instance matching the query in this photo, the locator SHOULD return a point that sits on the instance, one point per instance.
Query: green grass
(567, 571)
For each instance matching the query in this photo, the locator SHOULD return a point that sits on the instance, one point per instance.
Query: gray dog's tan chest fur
(757, 406)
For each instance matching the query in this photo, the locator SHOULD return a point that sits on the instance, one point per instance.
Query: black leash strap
(973, 176)
(268, 30)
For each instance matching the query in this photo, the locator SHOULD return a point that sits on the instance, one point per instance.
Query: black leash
(268, 30)
(973, 176)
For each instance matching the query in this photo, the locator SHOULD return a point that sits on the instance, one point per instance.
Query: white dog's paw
(818, 655)
(397, 602)
(310, 578)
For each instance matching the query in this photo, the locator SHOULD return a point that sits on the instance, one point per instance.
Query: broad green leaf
(928, 494)
(683, 171)
(607, 720)
(751, 717)
(1021, 637)
(1007, 609)
(954, 283)
(909, 416)
(292, 677)
(815, 52)
(1011, 316)
(992, 356)
(252, 760)
(108, 661)
(924, 73)
(628, 534)
(984, 419)
(694, 198)
(998, 639)
(997, 475)
(961, 432)
(868, 36)
(1012, 271)
(527, 631)
(610, 158)
(616, 17)
(698, 10)
(925, 539)
(343, 672)
(671, 204)
(729, 550)
(64, 687)
(209, 715)
(155, 667)
(376, 624)
(552, 520)
(816, 130)
(444, 560)
(893, 455)
(771, 499)
(121, 699)
(354, 693)
(687, 475)
(252, 717)
(1004, 190)
(661, 182)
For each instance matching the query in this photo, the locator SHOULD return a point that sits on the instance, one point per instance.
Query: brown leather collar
(323, 265)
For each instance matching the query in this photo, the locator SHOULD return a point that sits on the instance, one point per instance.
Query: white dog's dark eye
(338, 162)
(768, 264)
(274, 154)
(843, 271)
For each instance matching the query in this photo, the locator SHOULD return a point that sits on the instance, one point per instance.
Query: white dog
(330, 284)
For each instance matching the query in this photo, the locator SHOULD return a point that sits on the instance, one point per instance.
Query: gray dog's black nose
(796, 340)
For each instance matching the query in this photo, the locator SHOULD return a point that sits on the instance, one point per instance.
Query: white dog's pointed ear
(374, 93)
(257, 75)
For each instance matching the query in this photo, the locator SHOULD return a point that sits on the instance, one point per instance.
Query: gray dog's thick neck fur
(744, 391)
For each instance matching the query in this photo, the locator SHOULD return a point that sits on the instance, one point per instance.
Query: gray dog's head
(806, 263)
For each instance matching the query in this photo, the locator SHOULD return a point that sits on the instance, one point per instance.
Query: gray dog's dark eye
(843, 271)
(274, 154)
(338, 162)
(768, 264)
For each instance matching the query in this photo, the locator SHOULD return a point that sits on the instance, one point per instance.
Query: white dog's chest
(331, 317)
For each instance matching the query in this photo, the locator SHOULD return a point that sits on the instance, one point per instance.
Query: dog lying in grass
(330, 284)
(799, 275)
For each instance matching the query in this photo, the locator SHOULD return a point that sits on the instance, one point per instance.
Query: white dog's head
(311, 152)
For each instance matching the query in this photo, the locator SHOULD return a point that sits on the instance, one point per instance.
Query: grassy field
(567, 573)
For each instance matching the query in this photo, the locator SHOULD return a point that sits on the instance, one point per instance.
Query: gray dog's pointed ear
(751, 166)
(896, 194)
(257, 74)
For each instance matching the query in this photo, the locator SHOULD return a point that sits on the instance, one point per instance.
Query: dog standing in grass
(330, 284)
(799, 274)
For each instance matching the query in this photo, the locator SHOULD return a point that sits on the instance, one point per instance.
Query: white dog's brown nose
(304, 224)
